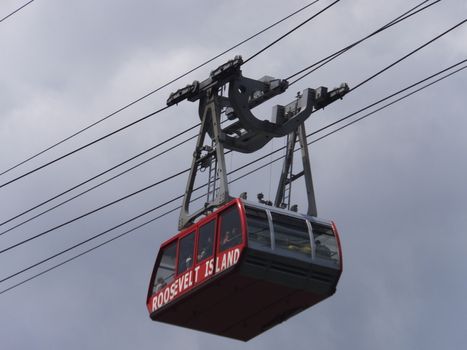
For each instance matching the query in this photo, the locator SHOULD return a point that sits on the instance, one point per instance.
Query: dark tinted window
(292, 234)
(259, 234)
(206, 240)
(325, 243)
(230, 231)
(185, 255)
(166, 269)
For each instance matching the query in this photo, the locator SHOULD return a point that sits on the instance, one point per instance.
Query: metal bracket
(287, 176)
(243, 131)
(210, 111)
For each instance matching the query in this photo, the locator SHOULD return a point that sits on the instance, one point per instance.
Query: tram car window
(230, 229)
(259, 235)
(206, 241)
(166, 271)
(185, 255)
(291, 235)
(325, 243)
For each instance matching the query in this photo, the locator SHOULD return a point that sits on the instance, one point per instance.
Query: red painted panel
(194, 277)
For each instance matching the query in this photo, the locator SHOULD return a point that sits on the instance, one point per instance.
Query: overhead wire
(408, 55)
(96, 186)
(97, 176)
(93, 211)
(84, 146)
(184, 171)
(400, 18)
(411, 12)
(100, 183)
(392, 102)
(238, 178)
(15, 11)
(388, 97)
(90, 239)
(166, 107)
(85, 252)
(290, 32)
(159, 88)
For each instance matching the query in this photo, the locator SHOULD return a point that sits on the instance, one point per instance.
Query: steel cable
(238, 178)
(157, 89)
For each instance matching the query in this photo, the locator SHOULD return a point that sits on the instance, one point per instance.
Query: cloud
(394, 183)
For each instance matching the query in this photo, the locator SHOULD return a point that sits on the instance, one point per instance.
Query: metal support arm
(244, 132)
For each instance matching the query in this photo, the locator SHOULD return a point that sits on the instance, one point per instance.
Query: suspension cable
(290, 31)
(84, 146)
(327, 60)
(164, 108)
(97, 176)
(173, 176)
(159, 88)
(238, 178)
(408, 55)
(413, 11)
(15, 11)
(93, 211)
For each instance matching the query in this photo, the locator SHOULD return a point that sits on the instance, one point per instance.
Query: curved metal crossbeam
(243, 131)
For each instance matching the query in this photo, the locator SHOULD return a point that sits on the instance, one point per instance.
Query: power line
(159, 88)
(393, 102)
(125, 197)
(93, 211)
(408, 55)
(89, 250)
(290, 31)
(102, 182)
(15, 11)
(102, 173)
(105, 232)
(139, 191)
(393, 22)
(364, 116)
(114, 132)
(162, 109)
(238, 178)
(83, 147)
(97, 185)
(389, 96)
(91, 238)
(97, 176)
(413, 11)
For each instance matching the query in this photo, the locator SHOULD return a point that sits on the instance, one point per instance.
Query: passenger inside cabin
(205, 246)
(188, 262)
(321, 250)
(231, 238)
(160, 284)
(202, 254)
(236, 237)
(225, 240)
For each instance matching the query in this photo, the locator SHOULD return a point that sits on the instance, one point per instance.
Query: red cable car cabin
(243, 269)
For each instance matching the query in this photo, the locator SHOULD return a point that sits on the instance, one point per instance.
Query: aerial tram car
(238, 267)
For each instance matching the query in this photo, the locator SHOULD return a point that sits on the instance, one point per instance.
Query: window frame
(158, 265)
(272, 242)
(282, 219)
(214, 237)
(241, 226)
(179, 239)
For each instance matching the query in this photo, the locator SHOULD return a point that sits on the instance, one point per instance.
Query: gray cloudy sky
(394, 183)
